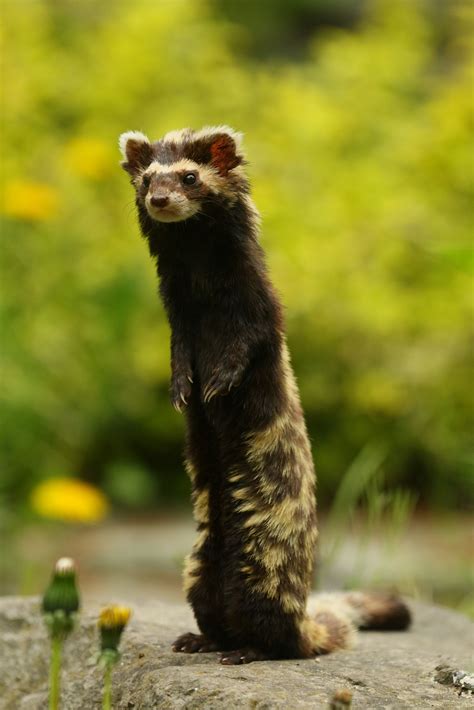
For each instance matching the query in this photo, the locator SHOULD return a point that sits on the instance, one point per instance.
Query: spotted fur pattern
(247, 450)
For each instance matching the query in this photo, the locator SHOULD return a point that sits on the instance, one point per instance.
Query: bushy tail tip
(332, 618)
(379, 611)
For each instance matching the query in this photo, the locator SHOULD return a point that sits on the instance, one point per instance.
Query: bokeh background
(358, 119)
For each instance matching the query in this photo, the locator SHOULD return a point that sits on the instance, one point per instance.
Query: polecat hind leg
(194, 643)
(203, 583)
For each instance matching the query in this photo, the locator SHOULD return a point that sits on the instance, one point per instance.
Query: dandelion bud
(341, 700)
(112, 622)
(65, 566)
(61, 599)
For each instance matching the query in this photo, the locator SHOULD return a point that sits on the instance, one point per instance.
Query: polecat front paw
(194, 643)
(180, 389)
(221, 382)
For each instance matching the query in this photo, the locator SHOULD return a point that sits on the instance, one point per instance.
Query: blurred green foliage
(360, 154)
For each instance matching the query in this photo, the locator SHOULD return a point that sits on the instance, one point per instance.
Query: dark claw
(193, 643)
(220, 383)
(236, 658)
(180, 391)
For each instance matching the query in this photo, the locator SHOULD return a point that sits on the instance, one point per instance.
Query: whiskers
(129, 208)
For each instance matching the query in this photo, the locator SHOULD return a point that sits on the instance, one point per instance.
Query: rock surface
(386, 670)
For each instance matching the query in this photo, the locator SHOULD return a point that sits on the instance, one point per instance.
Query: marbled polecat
(247, 451)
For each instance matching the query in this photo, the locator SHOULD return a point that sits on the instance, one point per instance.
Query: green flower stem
(55, 673)
(107, 698)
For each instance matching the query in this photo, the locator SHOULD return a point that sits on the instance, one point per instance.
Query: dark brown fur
(247, 449)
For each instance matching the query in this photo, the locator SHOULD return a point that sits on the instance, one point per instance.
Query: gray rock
(386, 670)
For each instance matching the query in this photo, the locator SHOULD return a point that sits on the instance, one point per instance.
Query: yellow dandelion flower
(112, 621)
(114, 616)
(28, 200)
(70, 500)
(89, 157)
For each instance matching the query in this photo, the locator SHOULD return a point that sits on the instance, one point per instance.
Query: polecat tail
(378, 611)
(332, 619)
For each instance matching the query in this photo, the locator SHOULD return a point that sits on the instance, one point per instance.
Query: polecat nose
(159, 200)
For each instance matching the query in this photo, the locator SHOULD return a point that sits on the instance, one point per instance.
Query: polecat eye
(146, 181)
(189, 179)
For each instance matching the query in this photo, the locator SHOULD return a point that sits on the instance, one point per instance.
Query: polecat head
(176, 176)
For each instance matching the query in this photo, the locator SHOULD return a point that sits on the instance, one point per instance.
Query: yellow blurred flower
(89, 158)
(70, 500)
(32, 201)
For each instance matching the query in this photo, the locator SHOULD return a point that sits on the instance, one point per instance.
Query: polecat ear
(224, 154)
(137, 151)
